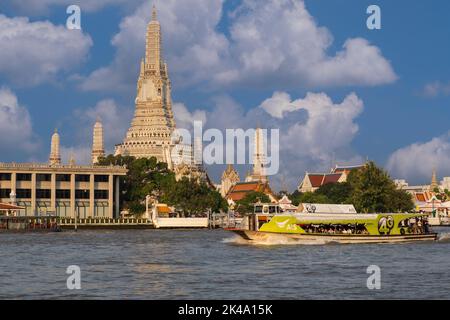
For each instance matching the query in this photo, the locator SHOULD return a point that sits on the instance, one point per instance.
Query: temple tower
(55, 156)
(259, 159)
(98, 149)
(153, 123)
(229, 178)
(434, 182)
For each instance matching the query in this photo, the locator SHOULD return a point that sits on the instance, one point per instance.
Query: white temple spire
(55, 156)
(98, 149)
(153, 56)
(259, 158)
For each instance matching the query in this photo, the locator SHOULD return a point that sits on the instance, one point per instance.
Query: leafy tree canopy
(369, 189)
(246, 204)
(147, 176)
(372, 190)
(192, 197)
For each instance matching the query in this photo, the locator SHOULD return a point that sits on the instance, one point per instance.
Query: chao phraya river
(214, 264)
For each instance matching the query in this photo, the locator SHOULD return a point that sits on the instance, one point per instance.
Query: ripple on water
(170, 264)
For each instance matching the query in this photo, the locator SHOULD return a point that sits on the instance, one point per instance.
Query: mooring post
(76, 222)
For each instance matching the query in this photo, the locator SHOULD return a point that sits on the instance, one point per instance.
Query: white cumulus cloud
(35, 52)
(275, 43)
(16, 130)
(417, 161)
(184, 118)
(314, 130)
(114, 118)
(189, 40)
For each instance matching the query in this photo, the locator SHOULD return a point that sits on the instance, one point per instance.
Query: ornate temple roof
(241, 189)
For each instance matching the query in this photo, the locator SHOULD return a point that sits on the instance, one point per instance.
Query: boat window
(335, 228)
(414, 225)
(258, 209)
(272, 209)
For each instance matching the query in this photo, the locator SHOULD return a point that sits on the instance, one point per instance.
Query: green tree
(146, 176)
(192, 197)
(295, 197)
(313, 197)
(246, 204)
(374, 191)
(400, 201)
(336, 193)
(298, 197)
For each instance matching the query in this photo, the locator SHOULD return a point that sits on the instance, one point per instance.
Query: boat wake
(274, 241)
(444, 237)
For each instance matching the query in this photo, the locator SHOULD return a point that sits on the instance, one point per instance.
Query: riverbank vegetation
(369, 189)
(147, 176)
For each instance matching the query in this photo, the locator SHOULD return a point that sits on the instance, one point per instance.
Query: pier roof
(7, 206)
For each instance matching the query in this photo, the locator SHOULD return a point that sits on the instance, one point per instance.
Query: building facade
(62, 190)
(153, 123)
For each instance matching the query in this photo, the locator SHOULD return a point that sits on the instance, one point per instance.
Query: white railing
(104, 221)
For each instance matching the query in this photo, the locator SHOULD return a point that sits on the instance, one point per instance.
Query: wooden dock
(52, 223)
(28, 224)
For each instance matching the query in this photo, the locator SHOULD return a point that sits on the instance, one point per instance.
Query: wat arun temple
(150, 134)
(152, 129)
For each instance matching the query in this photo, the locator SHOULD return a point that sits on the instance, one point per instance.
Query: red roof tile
(316, 179)
(240, 190)
(245, 186)
(420, 196)
(332, 178)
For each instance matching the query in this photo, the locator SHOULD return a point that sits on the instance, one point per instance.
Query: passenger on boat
(426, 226)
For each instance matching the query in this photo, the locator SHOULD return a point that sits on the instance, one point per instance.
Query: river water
(214, 264)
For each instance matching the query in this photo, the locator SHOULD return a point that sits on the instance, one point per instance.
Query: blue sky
(399, 116)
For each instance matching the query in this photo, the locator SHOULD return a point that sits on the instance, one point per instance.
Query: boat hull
(329, 238)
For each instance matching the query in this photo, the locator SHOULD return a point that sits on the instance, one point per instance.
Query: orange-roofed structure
(241, 189)
(9, 209)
